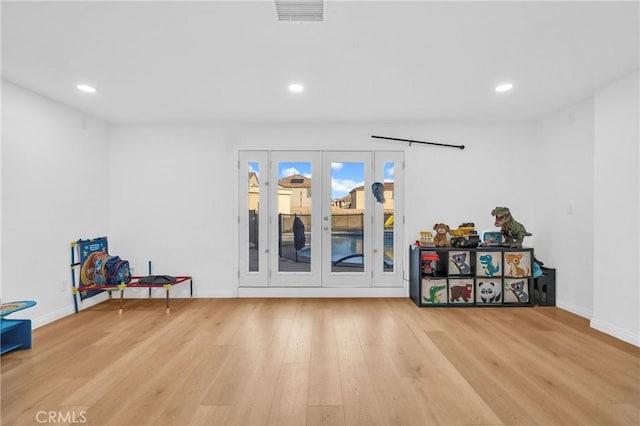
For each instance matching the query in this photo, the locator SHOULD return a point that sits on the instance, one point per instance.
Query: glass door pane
(389, 217)
(253, 260)
(254, 216)
(295, 248)
(346, 219)
(294, 216)
(347, 216)
(388, 249)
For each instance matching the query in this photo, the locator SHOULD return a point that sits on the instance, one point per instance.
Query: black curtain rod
(425, 143)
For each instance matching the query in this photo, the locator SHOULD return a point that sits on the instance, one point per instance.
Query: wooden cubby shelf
(482, 276)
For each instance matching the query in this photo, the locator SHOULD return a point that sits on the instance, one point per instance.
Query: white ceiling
(391, 61)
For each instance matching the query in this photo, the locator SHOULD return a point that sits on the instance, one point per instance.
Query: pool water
(344, 245)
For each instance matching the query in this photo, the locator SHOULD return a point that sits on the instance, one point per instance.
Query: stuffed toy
(441, 239)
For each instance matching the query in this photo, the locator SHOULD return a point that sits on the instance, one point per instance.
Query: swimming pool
(348, 249)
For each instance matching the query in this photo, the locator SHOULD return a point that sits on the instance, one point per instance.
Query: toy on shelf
(512, 230)
(491, 238)
(465, 235)
(426, 239)
(429, 263)
(441, 239)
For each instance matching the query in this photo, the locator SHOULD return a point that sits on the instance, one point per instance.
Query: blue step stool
(14, 333)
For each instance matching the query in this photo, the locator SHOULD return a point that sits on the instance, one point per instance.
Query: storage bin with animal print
(460, 262)
(434, 291)
(489, 264)
(489, 291)
(516, 290)
(461, 290)
(517, 264)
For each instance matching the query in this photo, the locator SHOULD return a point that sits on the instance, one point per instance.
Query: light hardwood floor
(320, 362)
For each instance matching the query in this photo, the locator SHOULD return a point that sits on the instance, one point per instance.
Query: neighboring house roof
(253, 175)
(295, 181)
(343, 201)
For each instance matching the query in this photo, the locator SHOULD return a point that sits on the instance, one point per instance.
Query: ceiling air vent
(300, 10)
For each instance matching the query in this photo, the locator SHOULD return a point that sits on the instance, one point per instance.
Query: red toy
(428, 267)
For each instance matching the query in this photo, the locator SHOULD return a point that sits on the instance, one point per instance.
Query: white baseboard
(263, 292)
(575, 309)
(51, 317)
(214, 294)
(615, 331)
(67, 310)
(129, 294)
(175, 293)
(321, 292)
(600, 325)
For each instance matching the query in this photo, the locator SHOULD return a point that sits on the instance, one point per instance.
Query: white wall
(55, 188)
(174, 196)
(173, 203)
(586, 212)
(563, 194)
(616, 298)
(455, 186)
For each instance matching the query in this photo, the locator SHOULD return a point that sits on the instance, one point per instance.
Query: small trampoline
(92, 267)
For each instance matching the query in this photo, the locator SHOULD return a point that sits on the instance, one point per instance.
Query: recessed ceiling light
(296, 87)
(86, 88)
(504, 87)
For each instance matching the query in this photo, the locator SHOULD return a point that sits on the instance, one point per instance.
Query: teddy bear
(441, 239)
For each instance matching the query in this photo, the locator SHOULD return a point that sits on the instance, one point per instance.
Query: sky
(344, 176)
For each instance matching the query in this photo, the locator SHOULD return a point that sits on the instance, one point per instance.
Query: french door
(346, 226)
(295, 209)
(320, 219)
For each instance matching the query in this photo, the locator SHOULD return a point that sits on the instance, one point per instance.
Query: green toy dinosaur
(512, 231)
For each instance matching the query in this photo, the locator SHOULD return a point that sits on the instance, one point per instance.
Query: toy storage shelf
(463, 277)
(15, 334)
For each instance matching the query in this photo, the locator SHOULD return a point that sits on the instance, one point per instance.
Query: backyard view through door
(347, 214)
(329, 219)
